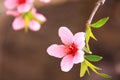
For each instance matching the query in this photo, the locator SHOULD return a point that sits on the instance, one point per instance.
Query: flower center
(72, 49)
(21, 1)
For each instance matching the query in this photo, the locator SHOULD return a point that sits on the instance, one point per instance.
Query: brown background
(23, 55)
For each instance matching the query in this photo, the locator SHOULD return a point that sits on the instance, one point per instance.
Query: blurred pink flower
(72, 50)
(21, 5)
(31, 20)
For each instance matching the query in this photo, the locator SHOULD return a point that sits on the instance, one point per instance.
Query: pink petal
(18, 23)
(24, 7)
(33, 10)
(40, 17)
(56, 50)
(79, 40)
(13, 13)
(79, 57)
(29, 1)
(34, 26)
(66, 35)
(67, 63)
(10, 4)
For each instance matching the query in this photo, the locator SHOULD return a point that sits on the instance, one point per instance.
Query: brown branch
(98, 4)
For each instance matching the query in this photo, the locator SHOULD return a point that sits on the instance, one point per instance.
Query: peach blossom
(71, 51)
(21, 5)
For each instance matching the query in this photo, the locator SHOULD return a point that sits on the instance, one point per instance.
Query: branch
(98, 4)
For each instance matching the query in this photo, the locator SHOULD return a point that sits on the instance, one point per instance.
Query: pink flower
(31, 20)
(72, 50)
(21, 5)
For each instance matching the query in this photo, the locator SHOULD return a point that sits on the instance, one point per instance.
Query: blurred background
(23, 55)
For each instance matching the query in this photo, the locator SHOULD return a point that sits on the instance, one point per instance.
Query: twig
(100, 2)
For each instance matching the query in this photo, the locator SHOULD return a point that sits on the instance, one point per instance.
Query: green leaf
(89, 34)
(88, 31)
(93, 58)
(92, 36)
(94, 69)
(100, 23)
(83, 69)
(87, 38)
(88, 71)
(91, 65)
(104, 75)
(87, 51)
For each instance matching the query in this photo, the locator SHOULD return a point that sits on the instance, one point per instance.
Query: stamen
(72, 49)
(21, 1)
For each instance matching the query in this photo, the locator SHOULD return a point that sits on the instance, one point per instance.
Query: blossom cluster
(25, 14)
(73, 48)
